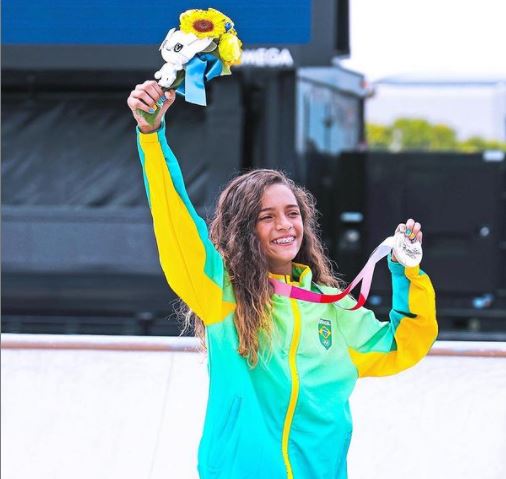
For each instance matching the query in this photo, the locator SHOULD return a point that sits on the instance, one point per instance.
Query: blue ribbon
(200, 69)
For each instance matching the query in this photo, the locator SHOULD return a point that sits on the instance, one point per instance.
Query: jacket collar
(301, 276)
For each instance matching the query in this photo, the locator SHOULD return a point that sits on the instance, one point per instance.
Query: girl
(281, 370)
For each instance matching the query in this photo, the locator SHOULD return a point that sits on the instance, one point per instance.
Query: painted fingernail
(161, 100)
(151, 110)
(408, 232)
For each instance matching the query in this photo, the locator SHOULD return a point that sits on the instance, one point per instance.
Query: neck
(285, 270)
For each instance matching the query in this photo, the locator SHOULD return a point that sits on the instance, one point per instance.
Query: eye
(294, 213)
(267, 217)
(178, 47)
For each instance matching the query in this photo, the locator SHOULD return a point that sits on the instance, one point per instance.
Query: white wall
(80, 414)
(443, 419)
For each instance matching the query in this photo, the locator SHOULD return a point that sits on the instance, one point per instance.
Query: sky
(435, 37)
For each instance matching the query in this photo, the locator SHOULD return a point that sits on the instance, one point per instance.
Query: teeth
(284, 240)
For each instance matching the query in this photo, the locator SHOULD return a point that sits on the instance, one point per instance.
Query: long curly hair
(232, 231)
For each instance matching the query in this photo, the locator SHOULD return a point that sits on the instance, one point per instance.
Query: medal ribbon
(365, 276)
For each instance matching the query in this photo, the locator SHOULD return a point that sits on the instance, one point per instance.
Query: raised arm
(190, 262)
(383, 348)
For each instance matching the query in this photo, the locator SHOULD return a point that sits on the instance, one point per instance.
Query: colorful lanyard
(365, 276)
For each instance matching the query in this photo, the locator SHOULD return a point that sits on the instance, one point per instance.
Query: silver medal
(408, 253)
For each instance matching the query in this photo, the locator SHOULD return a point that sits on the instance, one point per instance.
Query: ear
(198, 46)
(167, 38)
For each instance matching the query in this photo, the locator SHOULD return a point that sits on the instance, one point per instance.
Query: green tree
(444, 138)
(411, 134)
(379, 137)
(476, 143)
(419, 134)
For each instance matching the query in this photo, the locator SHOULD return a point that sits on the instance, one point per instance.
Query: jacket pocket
(224, 436)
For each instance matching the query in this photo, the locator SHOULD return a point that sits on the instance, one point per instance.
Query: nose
(284, 223)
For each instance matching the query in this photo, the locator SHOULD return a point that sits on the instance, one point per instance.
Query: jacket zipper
(295, 386)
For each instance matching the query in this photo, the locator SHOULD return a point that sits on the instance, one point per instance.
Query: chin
(289, 256)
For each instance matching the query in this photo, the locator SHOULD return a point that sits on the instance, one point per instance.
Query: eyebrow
(272, 208)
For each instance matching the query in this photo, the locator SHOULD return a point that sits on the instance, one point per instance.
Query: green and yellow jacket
(288, 417)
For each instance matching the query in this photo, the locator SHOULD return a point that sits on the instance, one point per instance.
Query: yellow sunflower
(229, 24)
(203, 23)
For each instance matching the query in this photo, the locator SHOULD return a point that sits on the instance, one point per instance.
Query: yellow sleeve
(383, 348)
(192, 266)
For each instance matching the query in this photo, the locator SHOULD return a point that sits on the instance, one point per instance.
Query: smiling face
(279, 228)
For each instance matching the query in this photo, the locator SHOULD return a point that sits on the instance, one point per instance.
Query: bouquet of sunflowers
(203, 47)
(214, 25)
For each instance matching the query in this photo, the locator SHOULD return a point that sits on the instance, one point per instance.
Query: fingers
(144, 97)
(412, 229)
(148, 97)
(167, 100)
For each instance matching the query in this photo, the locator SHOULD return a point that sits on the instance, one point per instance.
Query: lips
(285, 240)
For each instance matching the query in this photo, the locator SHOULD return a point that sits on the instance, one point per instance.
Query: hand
(149, 97)
(412, 230)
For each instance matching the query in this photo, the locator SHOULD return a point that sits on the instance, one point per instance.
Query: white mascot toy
(178, 49)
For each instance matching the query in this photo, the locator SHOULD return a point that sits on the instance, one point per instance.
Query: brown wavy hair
(232, 231)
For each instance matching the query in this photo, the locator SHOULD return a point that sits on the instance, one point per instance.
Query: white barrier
(97, 407)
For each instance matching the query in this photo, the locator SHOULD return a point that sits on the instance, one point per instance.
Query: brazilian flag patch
(325, 333)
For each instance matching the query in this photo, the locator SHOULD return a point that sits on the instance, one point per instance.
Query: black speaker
(456, 198)
(460, 201)
(337, 182)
